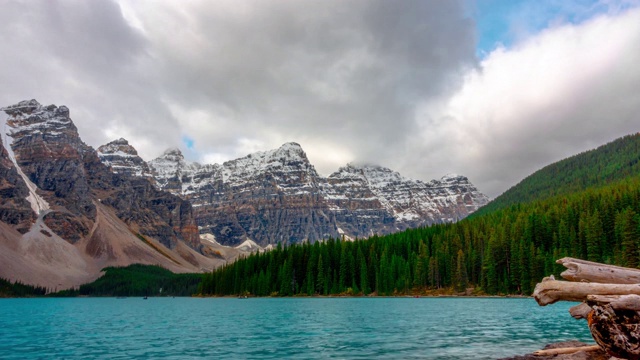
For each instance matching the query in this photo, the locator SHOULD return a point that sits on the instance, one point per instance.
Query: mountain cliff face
(371, 200)
(123, 158)
(277, 196)
(69, 177)
(15, 209)
(269, 197)
(61, 203)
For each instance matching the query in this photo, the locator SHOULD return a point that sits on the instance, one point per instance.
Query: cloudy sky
(490, 89)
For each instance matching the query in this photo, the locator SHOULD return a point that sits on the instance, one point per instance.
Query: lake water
(273, 328)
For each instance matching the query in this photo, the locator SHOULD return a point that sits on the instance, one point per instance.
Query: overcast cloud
(392, 83)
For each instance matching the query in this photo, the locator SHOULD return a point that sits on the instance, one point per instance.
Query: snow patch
(38, 204)
(210, 238)
(248, 245)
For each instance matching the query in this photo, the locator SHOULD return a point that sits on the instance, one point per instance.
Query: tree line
(18, 289)
(506, 251)
(608, 163)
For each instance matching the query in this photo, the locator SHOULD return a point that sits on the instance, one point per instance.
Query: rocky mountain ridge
(277, 196)
(64, 215)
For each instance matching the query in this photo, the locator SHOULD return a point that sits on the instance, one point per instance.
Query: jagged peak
(454, 178)
(290, 149)
(118, 146)
(24, 106)
(368, 171)
(29, 117)
(291, 146)
(120, 141)
(173, 153)
(29, 107)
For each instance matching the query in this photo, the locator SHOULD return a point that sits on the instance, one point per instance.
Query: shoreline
(287, 297)
(370, 297)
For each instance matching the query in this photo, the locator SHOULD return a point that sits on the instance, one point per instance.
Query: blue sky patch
(188, 142)
(506, 22)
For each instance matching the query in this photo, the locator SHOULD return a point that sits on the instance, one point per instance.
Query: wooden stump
(616, 331)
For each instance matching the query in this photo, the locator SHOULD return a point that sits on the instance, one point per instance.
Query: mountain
(371, 200)
(268, 197)
(123, 158)
(64, 215)
(277, 196)
(595, 215)
(608, 163)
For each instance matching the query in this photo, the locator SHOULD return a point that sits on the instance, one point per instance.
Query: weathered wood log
(601, 299)
(616, 331)
(569, 350)
(550, 291)
(580, 311)
(582, 270)
(617, 302)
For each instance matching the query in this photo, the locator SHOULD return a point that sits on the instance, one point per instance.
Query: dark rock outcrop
(15, 210)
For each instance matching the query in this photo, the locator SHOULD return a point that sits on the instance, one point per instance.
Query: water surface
(273, 328)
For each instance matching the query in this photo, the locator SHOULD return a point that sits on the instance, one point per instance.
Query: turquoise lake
(275, 328)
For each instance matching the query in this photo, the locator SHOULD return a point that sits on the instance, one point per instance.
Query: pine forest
(589, 209)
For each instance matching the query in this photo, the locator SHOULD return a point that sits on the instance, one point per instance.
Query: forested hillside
(17, 289)
(608, 163)
(507, 251)
(138, 280)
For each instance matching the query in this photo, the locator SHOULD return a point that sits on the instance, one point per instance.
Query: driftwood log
(582, 270)
(610, 297)
(550, 291)
(568, 350)
(621, 302)
(580, 311)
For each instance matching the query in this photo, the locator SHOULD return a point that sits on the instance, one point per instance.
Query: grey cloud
(571, 90)
(85, 55)
(332, 73)
(342, 72)
(353, 77)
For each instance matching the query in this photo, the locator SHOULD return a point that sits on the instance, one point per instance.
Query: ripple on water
(354, 328)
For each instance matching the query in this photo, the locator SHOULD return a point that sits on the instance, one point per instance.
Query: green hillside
(608, 163)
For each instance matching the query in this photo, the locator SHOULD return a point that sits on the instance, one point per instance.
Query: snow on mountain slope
(123, 158)
(288, 167)
(277, 196)
(248, 245)
(288, 164)
(180, 177)
(15, 124)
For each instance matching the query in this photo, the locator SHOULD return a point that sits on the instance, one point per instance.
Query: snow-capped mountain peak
(123, 158)
(277, 196)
